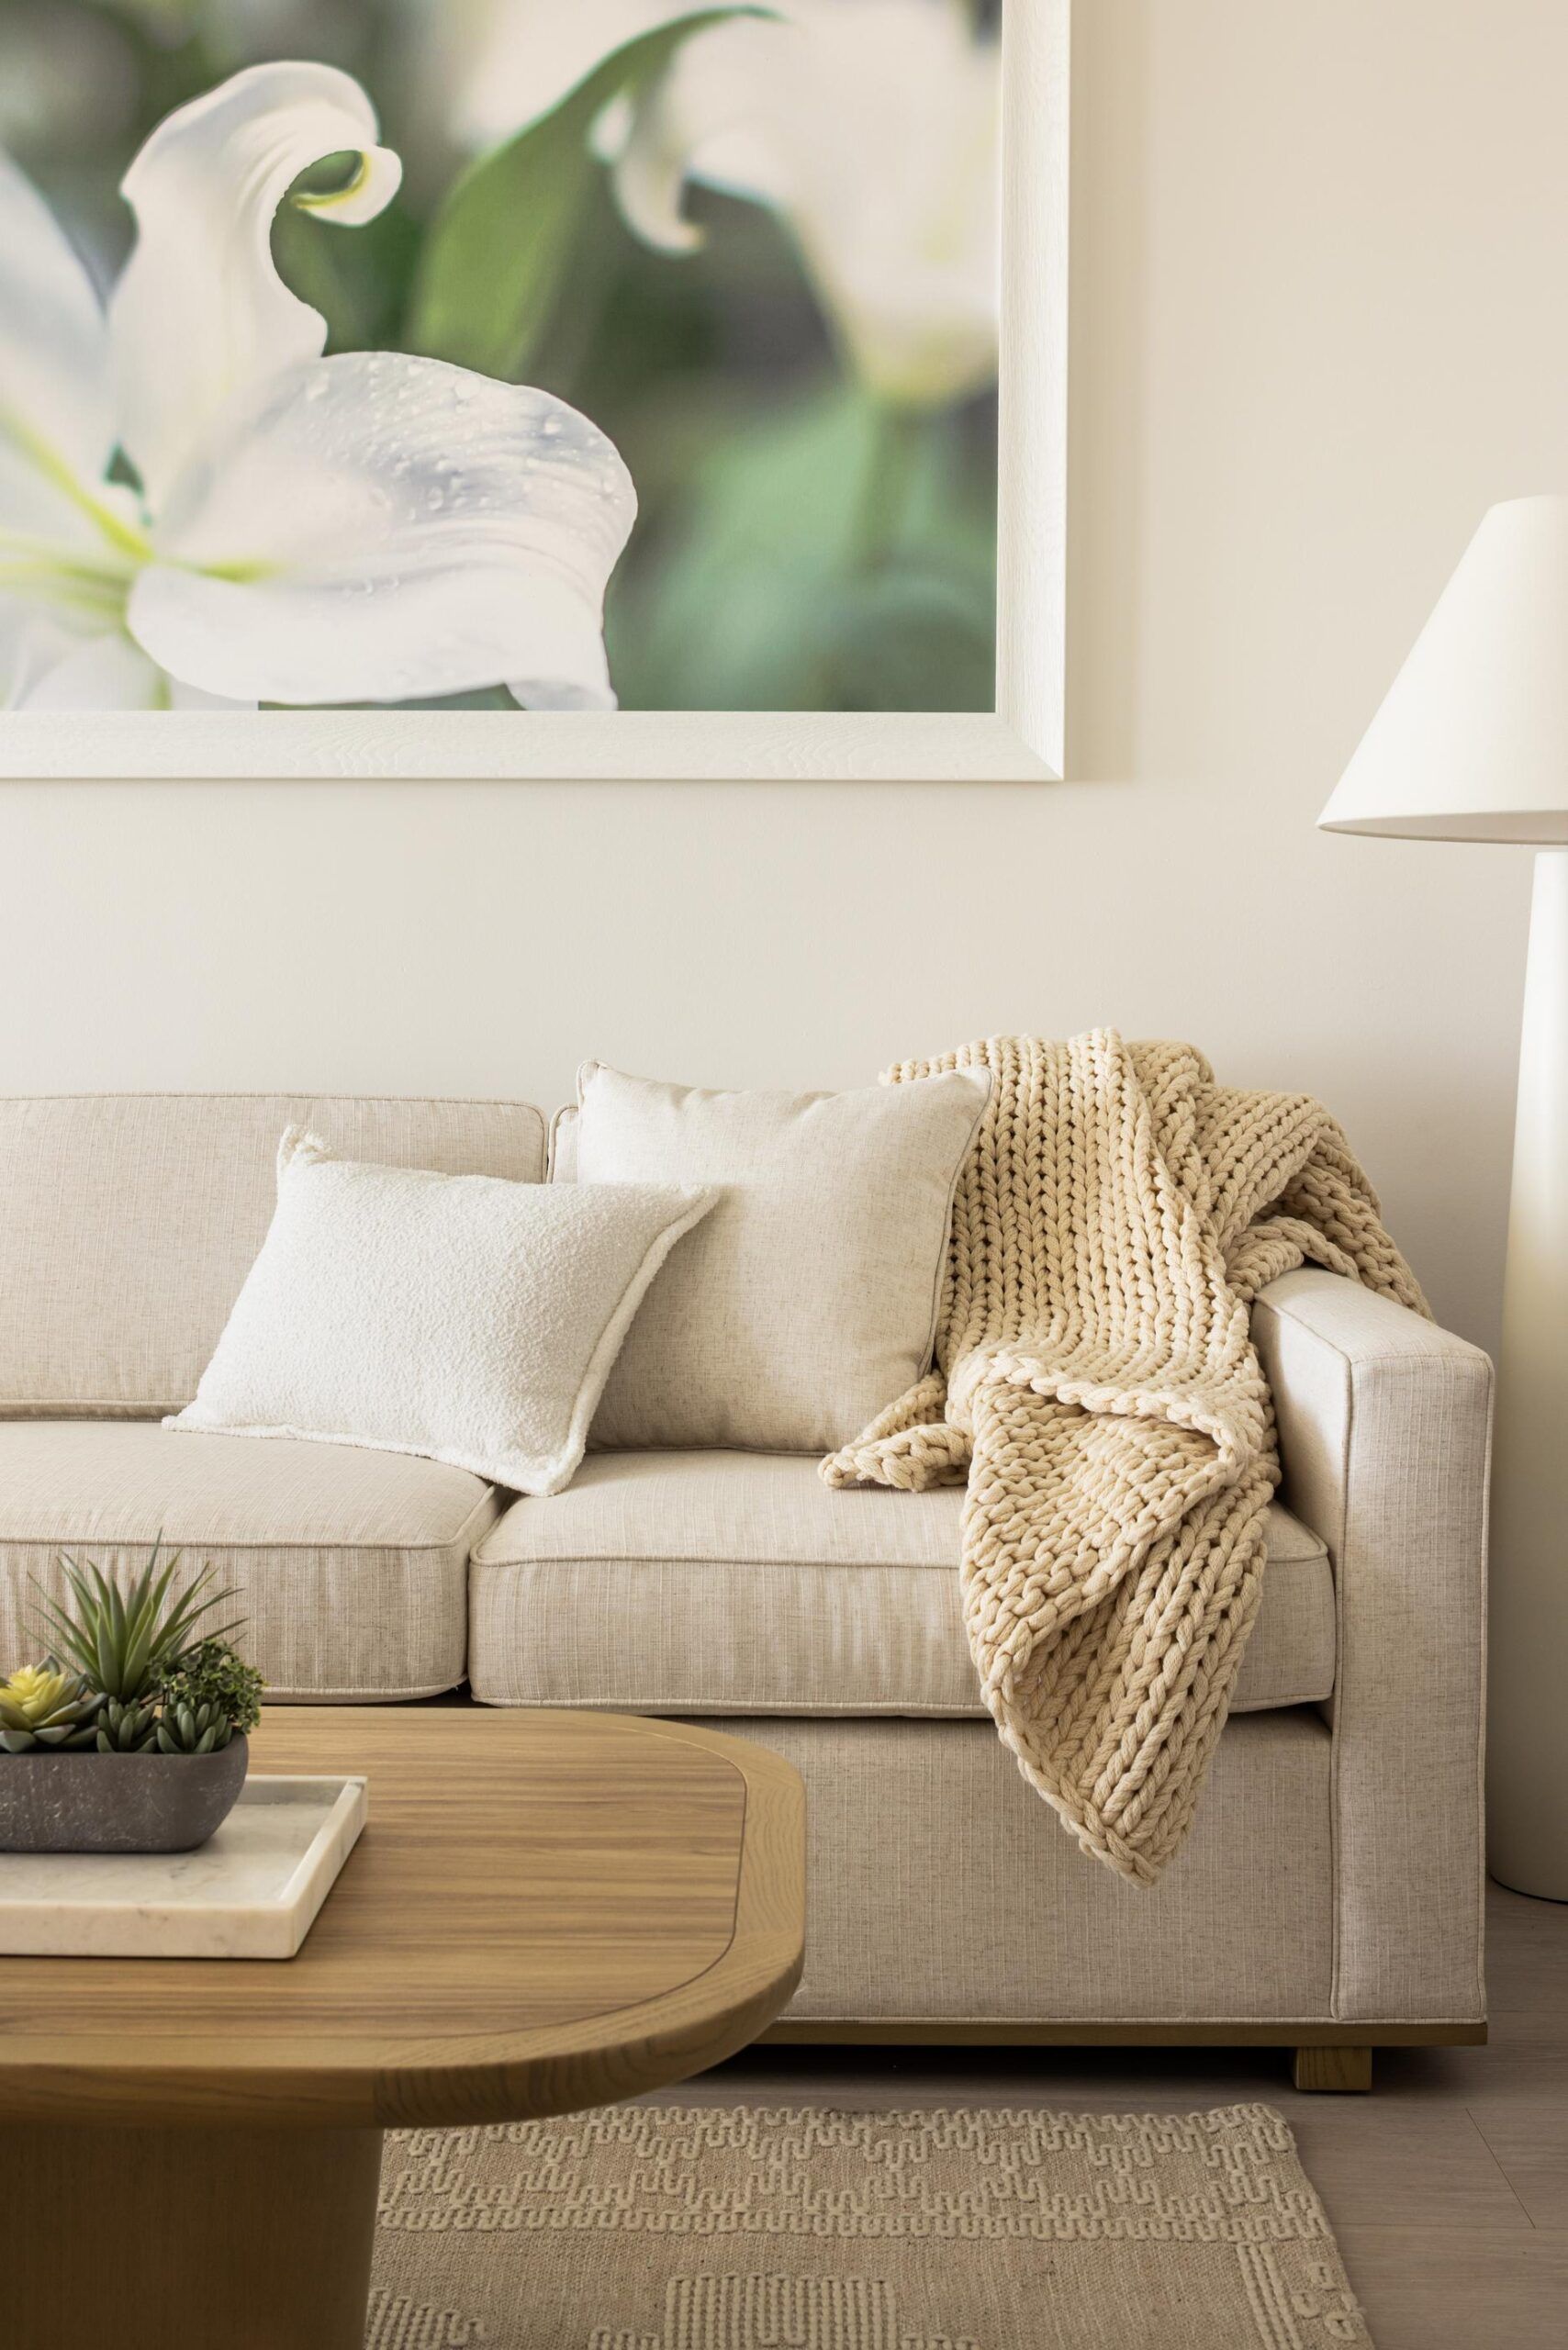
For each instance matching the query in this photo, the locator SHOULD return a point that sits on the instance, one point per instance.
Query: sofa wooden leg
(1333, 2068)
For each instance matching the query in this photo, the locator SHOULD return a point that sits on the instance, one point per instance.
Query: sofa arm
(1384, 1441)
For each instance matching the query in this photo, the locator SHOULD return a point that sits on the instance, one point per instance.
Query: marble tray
(251, 1891)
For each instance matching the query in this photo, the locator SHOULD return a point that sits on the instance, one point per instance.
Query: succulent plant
(211, 1677)
(41, 1706)
(125, 1729)
(122, 1642)
(200, 1729)
(135, 1681)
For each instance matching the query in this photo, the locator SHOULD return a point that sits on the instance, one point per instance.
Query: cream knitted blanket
(1097, 1383)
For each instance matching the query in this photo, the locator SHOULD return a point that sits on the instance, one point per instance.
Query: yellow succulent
(36, 1691)
(40, 1706)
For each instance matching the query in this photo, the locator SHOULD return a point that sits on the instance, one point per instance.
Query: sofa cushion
(466, 1319)
(129, 1221)
(720, 1582)
(352, 1564)
(807, 1302)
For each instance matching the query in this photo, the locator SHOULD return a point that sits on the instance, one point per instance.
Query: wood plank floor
(1447, 2187)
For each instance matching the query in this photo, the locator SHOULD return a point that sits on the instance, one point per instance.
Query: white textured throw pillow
(807, 1302)
(459, 1316)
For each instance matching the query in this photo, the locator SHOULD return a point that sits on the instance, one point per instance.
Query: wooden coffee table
(545, 1911)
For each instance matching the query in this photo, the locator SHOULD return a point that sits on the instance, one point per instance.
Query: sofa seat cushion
(733, 1583)
(352, 1565)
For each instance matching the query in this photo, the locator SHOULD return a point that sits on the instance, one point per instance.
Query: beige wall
(1320, 321)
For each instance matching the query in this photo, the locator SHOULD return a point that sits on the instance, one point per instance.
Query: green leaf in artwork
(498, 251)
(356, 282)
(826, 556)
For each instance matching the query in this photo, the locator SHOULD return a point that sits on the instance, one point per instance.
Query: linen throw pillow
(461, 1316)
(807, 1301)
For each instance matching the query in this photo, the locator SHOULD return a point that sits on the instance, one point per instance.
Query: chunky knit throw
(1096, 1384)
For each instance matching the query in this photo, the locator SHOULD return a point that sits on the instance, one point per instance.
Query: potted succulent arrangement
(130, 1737)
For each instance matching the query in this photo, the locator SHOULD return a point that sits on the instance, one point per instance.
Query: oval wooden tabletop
(544, 1912)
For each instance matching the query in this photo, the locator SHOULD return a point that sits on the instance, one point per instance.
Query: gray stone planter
(117, 1803)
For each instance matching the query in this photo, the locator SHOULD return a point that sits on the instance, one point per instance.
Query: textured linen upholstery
(738, 1582)
(1385, 1435)
(352, 1563)
(129, 1222)
(808, 1298)
(940, 1890)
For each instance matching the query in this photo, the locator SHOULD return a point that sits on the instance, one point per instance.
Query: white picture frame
(1021, 741)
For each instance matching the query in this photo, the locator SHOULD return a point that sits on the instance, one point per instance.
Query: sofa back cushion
(128, 1222)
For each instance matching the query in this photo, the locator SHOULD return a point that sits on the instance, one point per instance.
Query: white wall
(1320, 322)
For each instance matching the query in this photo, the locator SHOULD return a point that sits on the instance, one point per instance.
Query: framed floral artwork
(532, 388)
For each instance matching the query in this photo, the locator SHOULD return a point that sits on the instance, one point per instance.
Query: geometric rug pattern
(791, 2228)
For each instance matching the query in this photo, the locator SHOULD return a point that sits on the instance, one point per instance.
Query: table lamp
(1471, 745)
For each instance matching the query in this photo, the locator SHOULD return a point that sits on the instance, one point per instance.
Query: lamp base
(1527, 1777)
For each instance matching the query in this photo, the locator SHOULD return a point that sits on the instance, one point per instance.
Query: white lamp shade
(1472, 742)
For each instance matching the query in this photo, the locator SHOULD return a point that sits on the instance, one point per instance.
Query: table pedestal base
(143, 2239)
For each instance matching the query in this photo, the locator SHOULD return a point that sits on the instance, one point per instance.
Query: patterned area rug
(753, 2228)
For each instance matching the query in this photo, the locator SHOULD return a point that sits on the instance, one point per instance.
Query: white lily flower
(873, 127)
(366, 528)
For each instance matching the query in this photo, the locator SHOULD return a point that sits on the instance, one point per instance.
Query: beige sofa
(1330, 1896)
